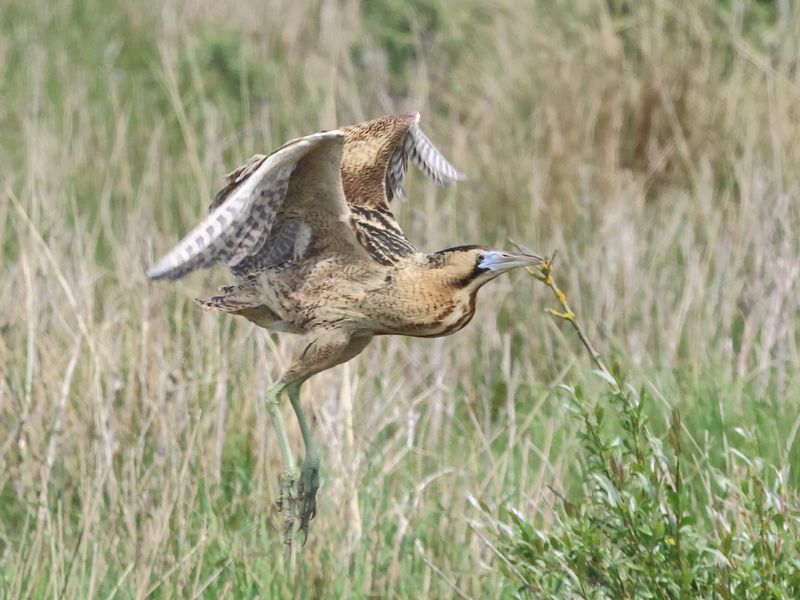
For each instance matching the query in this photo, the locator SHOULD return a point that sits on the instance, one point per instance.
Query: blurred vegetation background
(653, 144)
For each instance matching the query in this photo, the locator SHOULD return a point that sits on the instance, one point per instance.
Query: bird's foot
(307, 493)
(287, 506)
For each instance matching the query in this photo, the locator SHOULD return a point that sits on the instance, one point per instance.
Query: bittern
(310, 238)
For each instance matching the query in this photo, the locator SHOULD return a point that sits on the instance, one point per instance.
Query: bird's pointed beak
(504, 261)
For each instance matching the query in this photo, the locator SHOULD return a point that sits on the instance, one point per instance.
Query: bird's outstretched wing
(273, 209)
(376, 156)
(374, 161)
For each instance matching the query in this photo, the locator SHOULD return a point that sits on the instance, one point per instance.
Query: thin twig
(544, 273)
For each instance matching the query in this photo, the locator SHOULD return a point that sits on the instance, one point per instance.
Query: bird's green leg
(287, 497)
(309, 472)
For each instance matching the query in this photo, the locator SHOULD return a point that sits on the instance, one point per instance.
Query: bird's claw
(301, 501)
(307, 495)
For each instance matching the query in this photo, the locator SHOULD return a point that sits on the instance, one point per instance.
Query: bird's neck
(426, 299)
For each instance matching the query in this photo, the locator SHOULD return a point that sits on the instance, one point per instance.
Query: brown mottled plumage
(309, 235)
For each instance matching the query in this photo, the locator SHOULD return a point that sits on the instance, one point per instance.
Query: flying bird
(310, 238)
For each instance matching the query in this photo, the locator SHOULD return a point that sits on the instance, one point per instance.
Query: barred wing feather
(416, 146)
(243, 214)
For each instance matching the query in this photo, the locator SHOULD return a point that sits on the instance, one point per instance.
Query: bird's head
(473, 266)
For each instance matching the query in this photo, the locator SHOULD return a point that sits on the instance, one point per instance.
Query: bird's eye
(480, 258)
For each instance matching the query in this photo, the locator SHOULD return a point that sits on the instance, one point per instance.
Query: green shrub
(645, 530)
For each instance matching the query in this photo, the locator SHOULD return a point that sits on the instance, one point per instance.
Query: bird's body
(418, 296)
(309, 235)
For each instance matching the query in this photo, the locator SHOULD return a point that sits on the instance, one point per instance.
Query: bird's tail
(243, 301)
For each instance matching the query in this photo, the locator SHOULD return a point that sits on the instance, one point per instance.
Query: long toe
(307, 494)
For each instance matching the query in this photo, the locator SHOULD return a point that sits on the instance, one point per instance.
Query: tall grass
(653, 144)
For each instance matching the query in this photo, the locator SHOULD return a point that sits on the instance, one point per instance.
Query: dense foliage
(642, 531)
